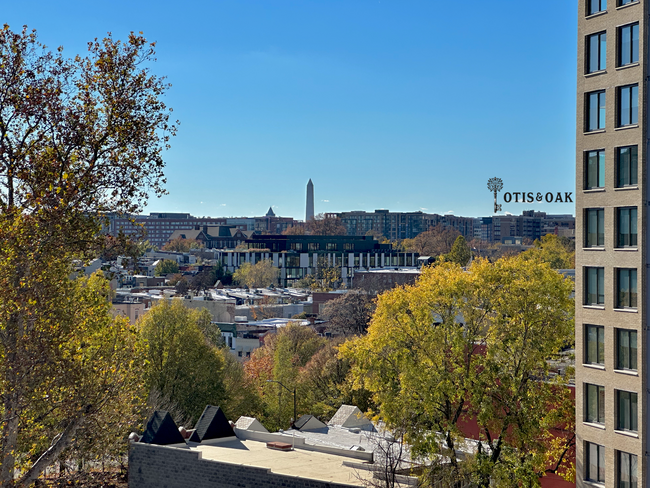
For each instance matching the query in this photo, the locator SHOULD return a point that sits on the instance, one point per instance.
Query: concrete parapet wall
(152, 466)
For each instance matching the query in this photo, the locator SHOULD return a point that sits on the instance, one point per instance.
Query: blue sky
(404, 105)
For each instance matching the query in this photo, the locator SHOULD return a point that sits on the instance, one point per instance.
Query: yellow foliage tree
(473, 345)
(258, 275)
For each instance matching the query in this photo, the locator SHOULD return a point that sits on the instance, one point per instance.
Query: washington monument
(309, 214)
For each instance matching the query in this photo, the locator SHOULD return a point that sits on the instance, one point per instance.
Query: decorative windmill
(495, 185)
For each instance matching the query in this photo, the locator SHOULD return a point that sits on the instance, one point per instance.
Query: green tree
(558, 252)
(460, 345)
(185, 367)
(326, 383)
(87, 384)
(258, 275)
(165, 267)
(460, 252)
(79, 137)
(243, 397)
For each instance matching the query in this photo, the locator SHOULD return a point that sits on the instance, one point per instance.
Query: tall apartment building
(159, 227)
(401, 225)
(611, 255)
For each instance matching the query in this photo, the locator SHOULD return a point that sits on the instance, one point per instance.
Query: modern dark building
(299, 256)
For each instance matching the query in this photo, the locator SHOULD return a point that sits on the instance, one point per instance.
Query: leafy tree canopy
(259, 275)
(79, 137)
(460, 252)
(460, 345)
(558, 252)
(165, 267)
(185, 364)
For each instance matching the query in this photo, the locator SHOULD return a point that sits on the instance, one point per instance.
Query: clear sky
(397, 104)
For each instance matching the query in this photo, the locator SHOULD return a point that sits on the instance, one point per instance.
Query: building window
(626, 288)
(595, 170)
(626, 158)
(626, 351)
(313, 246)
(331, 246)
(627, 470)
(595, 462)
(348, 246)
(628, 105)
(627, 227)
(595, 293)
(595, 218)
(596, 52)
(628, 44)
(595, 6)
(595, 110)
(627, 411)
(594, 403)
(594, 344)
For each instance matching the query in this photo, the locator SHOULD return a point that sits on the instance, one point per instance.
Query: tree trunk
(60, 442)
(9, 440)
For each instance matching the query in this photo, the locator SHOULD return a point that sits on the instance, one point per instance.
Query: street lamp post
(294, 397)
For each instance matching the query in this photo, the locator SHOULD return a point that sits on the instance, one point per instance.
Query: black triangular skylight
(161, 430)
(213, 424)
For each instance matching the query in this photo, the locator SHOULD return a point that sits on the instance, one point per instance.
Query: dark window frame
(597, 332)
(600, 462)
(625, 98)
(626, 354)
(597, 417)
(600, 227)
(601, 6)
(598, 155)
(626, 279)
(631, 161)
(597, 41)
(629, 421)
(600, 108)
(627, 51)
(627, 227)
(599, 292)
(629, 461)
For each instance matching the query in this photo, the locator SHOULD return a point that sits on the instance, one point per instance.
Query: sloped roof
(270, 213)
(308, 422)
(250, 423)
(350, 416)
(161, 430)
(185, 234)
(212, 424)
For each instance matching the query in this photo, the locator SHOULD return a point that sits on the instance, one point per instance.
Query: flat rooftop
(298, 462)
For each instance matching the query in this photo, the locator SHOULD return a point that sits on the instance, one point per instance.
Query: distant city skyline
(383, 104)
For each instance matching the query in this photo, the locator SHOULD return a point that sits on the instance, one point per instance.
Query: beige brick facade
(609, 257)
